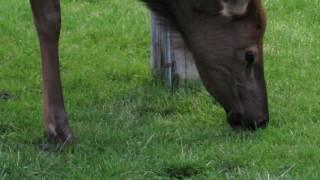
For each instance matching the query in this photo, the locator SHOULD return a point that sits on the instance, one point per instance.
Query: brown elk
(224, 36)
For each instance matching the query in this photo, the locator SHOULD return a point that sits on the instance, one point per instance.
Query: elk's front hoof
(54, 142)
(59, 135)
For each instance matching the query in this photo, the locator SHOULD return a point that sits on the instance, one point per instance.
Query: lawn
(128, 125)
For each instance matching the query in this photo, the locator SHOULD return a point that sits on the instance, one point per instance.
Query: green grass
(129, 126)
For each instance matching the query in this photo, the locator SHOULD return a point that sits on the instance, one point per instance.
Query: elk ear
(234, 7)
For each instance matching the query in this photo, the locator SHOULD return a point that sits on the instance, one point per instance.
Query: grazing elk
(224, 36)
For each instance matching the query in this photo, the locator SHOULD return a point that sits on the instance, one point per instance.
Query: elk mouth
(238, 121)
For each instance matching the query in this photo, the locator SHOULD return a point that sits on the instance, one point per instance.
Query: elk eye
(250, 57)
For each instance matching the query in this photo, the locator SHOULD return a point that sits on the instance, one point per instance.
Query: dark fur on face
(226, 40)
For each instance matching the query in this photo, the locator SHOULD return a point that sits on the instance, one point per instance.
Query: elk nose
(236, 121)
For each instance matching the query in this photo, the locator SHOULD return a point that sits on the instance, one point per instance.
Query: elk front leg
(47, 19)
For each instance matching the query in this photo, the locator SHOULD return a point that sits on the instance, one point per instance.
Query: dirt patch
(5, 96)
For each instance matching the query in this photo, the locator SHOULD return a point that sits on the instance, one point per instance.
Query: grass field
(129, 126)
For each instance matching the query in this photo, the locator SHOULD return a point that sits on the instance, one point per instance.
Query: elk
(224, 36)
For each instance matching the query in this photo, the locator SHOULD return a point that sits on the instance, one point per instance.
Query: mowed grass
(128, 125)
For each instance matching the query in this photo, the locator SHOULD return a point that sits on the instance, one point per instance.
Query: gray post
(171, 59)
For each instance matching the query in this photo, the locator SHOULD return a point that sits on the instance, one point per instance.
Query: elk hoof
(61, 136)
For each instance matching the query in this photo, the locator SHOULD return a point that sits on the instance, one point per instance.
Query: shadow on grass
(182, 171)
(6, 128)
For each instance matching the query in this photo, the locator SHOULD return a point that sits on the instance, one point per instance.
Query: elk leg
(47, 19)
